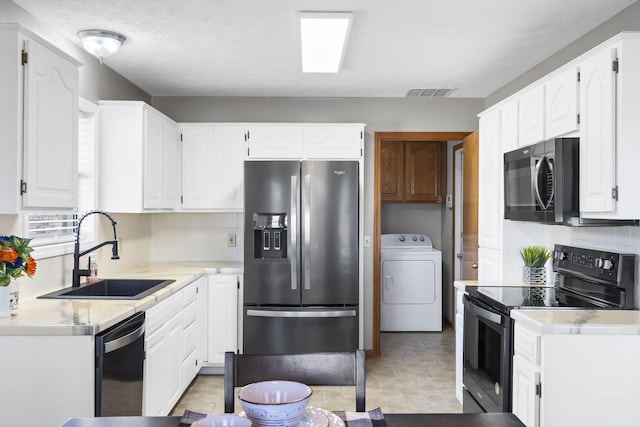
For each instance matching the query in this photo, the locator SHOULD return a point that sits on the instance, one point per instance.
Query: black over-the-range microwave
(541, 184)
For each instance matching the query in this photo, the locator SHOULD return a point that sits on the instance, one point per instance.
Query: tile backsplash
(196, 236)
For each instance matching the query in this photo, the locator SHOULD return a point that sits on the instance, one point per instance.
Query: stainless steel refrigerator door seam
(280, 313)
(293, 238)
(307, 231)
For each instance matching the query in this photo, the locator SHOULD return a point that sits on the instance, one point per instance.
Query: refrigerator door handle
(323, 313)
(293, 238)
(307, 231)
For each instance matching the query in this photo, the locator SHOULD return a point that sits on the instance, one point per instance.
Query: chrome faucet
(77, 272)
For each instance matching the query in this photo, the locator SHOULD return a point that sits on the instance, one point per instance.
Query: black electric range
(585, 278)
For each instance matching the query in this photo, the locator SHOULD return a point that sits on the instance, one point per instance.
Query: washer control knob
(401, 238)
(422, 238)
(598, 262)
(607, 264)
(415, 239)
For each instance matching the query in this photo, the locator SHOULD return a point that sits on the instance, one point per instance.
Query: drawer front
(157, 315)
(189, 294)
(189, 338)
(527, 344)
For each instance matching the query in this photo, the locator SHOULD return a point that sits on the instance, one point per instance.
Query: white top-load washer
(411, 294)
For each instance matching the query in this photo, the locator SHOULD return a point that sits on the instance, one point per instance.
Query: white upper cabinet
(509, 126)
(609, 131)
(212, 166)
(561, 103)
(333, 142)
(139, 161)
(275, 142)
(490, 195)
(531, 116)
(38, 124)
(595, 97)
(597, 133)
(305, 141)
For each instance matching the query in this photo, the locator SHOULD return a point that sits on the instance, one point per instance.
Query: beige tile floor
(415, 373)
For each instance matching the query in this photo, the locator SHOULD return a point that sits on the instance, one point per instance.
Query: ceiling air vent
(429, 93)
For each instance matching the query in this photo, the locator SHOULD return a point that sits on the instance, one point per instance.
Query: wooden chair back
(320, 369)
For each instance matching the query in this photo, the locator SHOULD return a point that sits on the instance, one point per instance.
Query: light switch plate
(231, 240)
(367, 241)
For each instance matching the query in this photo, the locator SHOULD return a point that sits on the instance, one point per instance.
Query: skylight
(323, 38)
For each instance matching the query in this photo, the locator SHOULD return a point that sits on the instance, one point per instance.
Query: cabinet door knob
(474, 265)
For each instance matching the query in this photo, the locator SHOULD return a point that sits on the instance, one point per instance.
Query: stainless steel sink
(116, 289)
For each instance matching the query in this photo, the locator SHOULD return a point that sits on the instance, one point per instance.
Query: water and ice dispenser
(270, 235)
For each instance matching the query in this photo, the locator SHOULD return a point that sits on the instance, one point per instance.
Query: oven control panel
(602, 265)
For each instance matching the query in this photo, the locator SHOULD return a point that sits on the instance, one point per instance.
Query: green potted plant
(534, 258)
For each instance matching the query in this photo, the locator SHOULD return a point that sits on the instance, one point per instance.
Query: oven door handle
(475, 309)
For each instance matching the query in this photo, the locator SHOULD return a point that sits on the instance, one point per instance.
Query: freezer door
(271, 249)
(329, 232)
(298, 330)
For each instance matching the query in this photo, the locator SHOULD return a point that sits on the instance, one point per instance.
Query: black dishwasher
(119, 368)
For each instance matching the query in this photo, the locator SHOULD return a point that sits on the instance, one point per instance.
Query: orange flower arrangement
(15, 259)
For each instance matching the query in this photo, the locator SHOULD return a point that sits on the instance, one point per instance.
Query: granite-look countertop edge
(585, 322)
(48, 317)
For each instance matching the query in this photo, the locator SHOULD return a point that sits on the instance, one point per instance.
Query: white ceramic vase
(9, 299)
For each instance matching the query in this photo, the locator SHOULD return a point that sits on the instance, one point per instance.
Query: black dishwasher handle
(125, 340)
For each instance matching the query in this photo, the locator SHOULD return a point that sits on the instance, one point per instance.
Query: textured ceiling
(250, 47)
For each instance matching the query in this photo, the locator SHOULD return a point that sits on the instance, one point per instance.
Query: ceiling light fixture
(323, 39)
(101, 43)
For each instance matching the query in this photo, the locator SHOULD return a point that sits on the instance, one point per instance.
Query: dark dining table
(392, 420)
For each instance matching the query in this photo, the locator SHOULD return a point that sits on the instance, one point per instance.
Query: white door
(228, 171)
(597, 132)
(561, 103)
(153, 148)
(197, 169)
(50, 129)
(408, 282)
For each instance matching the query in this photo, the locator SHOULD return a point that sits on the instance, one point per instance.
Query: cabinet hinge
(181, 199)
(614, 193)
(616, 66)
(247, 152)
(23, 187)
(361, 152)
(539, 389)
(180, 137)
(578, 119)
(578, 75)
(25, 57)
(361, 135)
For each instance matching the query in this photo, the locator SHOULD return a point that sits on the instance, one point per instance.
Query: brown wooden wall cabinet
(413, 171)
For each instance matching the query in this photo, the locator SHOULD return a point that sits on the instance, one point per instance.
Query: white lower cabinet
(575, 378)
(223, 316)
(171, 349)
(162, 363)
(526, 397)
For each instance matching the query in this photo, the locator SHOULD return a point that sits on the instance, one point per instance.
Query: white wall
(196, 236)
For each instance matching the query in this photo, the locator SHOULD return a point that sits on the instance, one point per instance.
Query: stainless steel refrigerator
(301, 285)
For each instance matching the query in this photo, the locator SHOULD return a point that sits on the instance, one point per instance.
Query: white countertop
(570, 321)
(88, 317)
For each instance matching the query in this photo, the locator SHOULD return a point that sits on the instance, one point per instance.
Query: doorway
(380, 139)
(465, 211)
